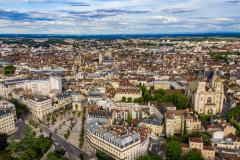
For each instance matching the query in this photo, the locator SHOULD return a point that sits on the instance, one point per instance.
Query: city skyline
(118, 16)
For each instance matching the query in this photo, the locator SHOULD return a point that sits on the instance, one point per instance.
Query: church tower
(209, 96)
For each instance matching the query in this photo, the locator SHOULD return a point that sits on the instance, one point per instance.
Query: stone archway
(210, 111)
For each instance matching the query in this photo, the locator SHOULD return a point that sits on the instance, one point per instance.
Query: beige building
(155, 126)
(40, 106)
(5, 90)
(119, 93)
(209, 97)
(176, 119)
(166, 85)
(227, 128)
(118, 142)
(196, 143)
(7, 117)
(62, 101)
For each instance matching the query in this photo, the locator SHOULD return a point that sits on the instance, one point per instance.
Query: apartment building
(155, 126)
(40, 106)
(118, 142)
(7, 117)
(196, 143)
(176, 119)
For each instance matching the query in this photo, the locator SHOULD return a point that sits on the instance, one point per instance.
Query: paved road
(73, 151)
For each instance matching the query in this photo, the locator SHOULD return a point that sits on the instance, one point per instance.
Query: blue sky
(118, 16)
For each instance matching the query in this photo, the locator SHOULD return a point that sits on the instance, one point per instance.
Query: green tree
(103, 156)
(234, 113)
(185, 133)
(129, 118)
(57, 155)
(21, 109)
(123, 99)
(30, 147)
(156, 157)
(3, 141)
(180, 101)
(233, 116)
(129, 99)
(139, 100)
(192, 155)
(81, 156)
(146, 157)
(9, 70)
(173, 150)
(150, 157)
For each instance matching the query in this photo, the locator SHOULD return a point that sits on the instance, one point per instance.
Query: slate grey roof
(110, 136)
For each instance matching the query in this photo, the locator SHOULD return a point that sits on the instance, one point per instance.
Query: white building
(7, 117)
(40, 106)
(37, 86)
(118, 142)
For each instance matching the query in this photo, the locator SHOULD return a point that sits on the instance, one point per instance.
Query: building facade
(7, 117)
(209, 97)
(196, 143)
(40, 106)
(76, 102)
(36, 86)
(175, 121)
(118, 142)
(155, 126)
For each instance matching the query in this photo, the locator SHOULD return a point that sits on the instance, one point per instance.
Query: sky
(118, 16)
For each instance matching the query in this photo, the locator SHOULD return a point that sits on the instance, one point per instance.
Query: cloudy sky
(118, 16)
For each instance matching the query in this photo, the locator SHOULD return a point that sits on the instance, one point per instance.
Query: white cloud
(221, 19)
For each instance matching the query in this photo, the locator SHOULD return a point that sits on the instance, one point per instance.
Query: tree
(129, 99)
(123, 99)
(234, 113)
(30, 147)
(156, 157)
(185, 133)
(81, 156)
(139, 100)
(146, 157)
(21, 109)
(192, 155)
(160, 92)
(180, 101)
(3, 141)
(9, 70)
(57, 155)
(173, 150)
(150, 157)
(103, 156)
(233, 116)
(129, 119)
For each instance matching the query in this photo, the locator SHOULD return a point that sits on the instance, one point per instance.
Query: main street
(72, 151)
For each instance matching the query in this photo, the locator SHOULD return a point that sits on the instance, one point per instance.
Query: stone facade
(209, 97)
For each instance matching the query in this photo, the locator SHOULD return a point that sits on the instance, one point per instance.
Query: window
(209, 100)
